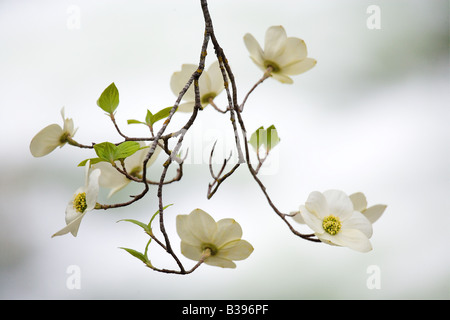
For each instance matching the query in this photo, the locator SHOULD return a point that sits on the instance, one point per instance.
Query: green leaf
(109, 99)
(256, 139)
(155, 214)
(126, 149)
(272, 138)
(93, 161)
(106, 151)
(264, 137)
(136, 254)
(109, 152)
(161, 114)
(138, 223)
(149, 118)
(146, 251)
(133, 121)
(83, 163)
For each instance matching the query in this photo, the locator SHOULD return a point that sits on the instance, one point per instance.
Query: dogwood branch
(161, 139)
(254, 174)
(235, 109)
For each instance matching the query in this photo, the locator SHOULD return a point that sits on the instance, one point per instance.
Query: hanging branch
(202, 238)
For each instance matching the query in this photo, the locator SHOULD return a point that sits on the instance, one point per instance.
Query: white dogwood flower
(372, 213)
(52, 136)
(334, 220)
(83, 200)
(217, 243)
(282, 56)
(116, 181)
(210, 85)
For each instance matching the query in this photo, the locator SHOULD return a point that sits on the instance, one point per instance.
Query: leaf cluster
(147, 227)
(151, 118)
(109, 152)
(267, 138)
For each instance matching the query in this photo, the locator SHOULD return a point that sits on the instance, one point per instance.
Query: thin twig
(264, 77)
(113, 119)
(218, 179)
(211, 102)
(74, 143)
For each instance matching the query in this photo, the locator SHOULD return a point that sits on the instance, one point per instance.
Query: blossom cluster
(334, 217)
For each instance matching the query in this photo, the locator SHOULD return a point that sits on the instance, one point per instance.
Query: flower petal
(186, 107)
(136, 159)
(275, 43)
(359, 201)
(298, 217)
(68, 124)
(190, 251)
(295, 50)
(312, 220)
(374, 213)
(92, 189)
(202, 225)
(339, 204)
(71, 212)
(360, 222)
(253, 47)
(317, 204)
(204, 84)
(299, 66)
(227, 230)
(46, 140)
(180, 78)
(216, 78)
(111, 178)
(282, 78)
(353, 239)
(152, 160)
(72, 226)
(185, 233)
(235, 250)
(220, 262)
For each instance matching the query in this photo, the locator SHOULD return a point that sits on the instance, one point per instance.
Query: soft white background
(372, 116)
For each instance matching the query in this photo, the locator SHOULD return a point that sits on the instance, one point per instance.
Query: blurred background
(372, 116)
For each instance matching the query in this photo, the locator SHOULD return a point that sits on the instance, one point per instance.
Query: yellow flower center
(331, 224)
(273, 65)
(79, 203)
